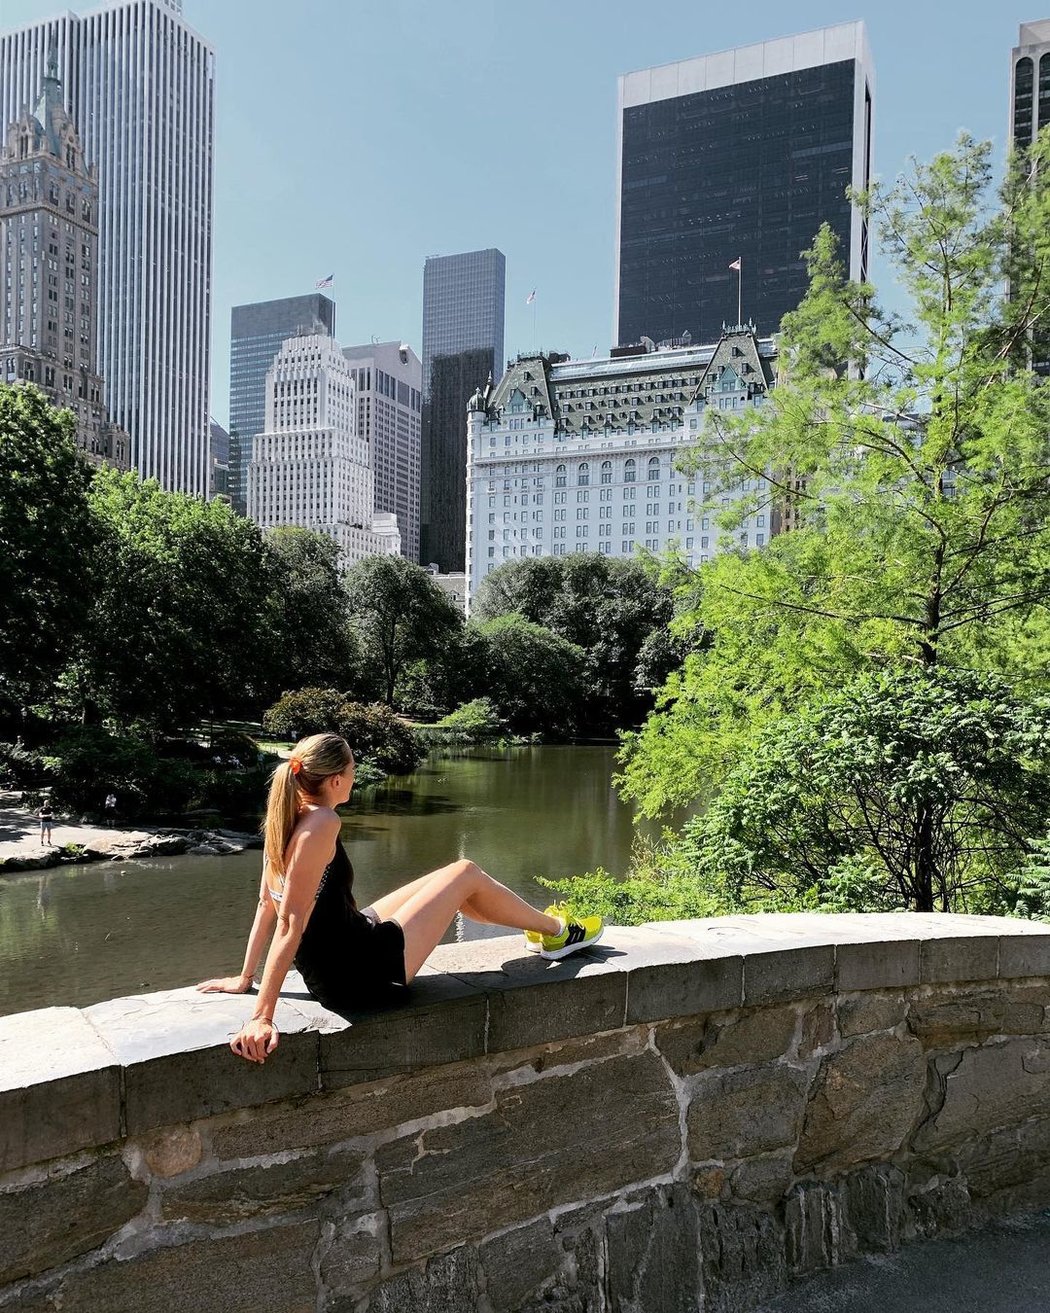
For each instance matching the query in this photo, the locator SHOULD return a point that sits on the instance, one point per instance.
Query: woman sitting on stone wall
(351, 958)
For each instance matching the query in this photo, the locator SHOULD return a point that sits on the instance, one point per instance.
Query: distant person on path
(45, 815)
(111, 810)
(349, 957)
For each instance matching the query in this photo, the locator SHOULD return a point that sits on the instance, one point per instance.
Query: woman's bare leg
(427, 912)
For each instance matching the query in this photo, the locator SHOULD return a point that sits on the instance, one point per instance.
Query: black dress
(349, 958)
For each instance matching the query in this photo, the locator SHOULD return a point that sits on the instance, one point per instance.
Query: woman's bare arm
(308, 855)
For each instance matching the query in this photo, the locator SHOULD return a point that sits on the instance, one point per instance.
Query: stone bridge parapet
(691, 1116)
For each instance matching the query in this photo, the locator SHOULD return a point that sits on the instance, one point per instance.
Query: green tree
(913, 456)
(47, 541)
(608, 606)
(919, 789)
(400, 613)
(534, 677)
(178, 626)
(311, 638)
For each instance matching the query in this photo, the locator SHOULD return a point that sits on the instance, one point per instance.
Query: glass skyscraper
(738, 156)
(139, 83)
(463, 306)
(257, 332)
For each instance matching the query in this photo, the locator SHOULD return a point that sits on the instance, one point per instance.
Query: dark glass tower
(463, 315)
(741, 155)
(256, 334)
(1029, 113)
(443, 464)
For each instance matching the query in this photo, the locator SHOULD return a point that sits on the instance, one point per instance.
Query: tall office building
(257, 332)
(139, 83)
(463, 316)
(49, 269)
(463, 306)
(389, 382)
(1030, 83)
(310, 467)
(738, 155)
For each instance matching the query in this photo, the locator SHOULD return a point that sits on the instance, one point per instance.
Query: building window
(628, 470)
(583, 474)
(654, 469)
(559, 477)
(606, 471)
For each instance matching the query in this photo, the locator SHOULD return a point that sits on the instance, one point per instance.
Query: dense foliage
(375, 734)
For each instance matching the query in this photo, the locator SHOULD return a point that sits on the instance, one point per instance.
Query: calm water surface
(77, 935)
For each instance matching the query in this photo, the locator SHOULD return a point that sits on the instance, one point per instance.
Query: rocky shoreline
(121, 846)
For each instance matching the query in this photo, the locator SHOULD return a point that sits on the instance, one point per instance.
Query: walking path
(1001, 1269)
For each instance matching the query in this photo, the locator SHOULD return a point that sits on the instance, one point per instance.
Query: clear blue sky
(357, 137)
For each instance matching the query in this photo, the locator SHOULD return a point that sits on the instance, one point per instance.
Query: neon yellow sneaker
(533, 938)
(579, 932)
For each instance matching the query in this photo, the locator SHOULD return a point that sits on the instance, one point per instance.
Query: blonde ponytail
(312, 760)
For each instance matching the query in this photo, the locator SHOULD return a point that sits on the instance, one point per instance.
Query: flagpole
(739, 279)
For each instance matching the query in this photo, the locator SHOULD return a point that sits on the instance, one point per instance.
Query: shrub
(474, 722)
(309, 711)
(372, 730)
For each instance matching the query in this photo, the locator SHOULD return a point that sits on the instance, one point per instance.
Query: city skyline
(462, 120)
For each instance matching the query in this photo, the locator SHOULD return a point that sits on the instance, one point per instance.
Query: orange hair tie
(295, 764)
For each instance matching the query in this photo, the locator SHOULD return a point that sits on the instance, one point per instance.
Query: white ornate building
(579, 456)
(310, 467)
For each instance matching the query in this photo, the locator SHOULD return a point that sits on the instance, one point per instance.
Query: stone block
(745, 1038)
(966, 957)
(351, 1258)
(267, 1271)
(764, 1179)
(339, 1115)
(59, 1087)
(1025, 955)
(998, 1085)
(671, 976)
(449, 1283)
(263, 1189)
(866, 1013)
(522, 1265)
(49, 1222)
(940, 1206)
(948, 1018)
(771, 976)
(818, 1030)
(171, 1150)
(443, 1021)
(883, 964)
(654, 1253)
(615, 1122)
(741, 1257)
(179, 1067)
(813, 1228)
(874, 1203)
(745, 1111)
(865, 1100)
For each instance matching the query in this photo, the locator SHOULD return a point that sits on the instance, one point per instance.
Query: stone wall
(688, 1117)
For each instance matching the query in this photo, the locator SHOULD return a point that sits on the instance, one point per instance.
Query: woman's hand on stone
(226, 985)
(255, 1040)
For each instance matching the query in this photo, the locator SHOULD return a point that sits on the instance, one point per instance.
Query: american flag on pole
(736, 264)
(325, 282)
(531, 297)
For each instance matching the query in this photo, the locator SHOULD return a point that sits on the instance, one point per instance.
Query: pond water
(79, 934)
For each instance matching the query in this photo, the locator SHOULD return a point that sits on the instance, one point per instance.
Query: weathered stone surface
(874, 1199)
(818, 1030)
(764, 1179)
(813, 1228)
(1025, 955)
(453, 1182)
(865, 1100)
(864, 1014)
(940, 1205)
(568, 1053)
(444, 1022)
(998, 1085)
(962, 957)
(237, 1193)
(330, 1118)
(788, 973)
(59, 1087)
(741, 1256)
(885, 964)
(670, 976)
(447, 1284)
(745, 1111)
(522, 1015)
(700, 1043)
(259, 1272)
(172, 1150)
(351, 1257)
(521, 1265)
(948, 1018)
(654, 1254)
(48, 1223)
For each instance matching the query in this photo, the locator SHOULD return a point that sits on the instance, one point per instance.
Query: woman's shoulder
(320, 820)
